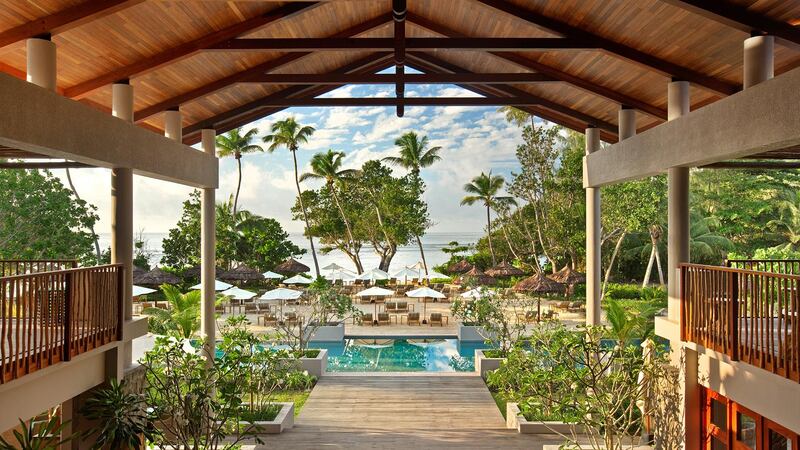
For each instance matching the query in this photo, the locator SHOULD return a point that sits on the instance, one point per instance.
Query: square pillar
(208, 254)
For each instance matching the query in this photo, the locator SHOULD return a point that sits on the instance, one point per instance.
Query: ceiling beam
(738, 164)
(246, 74)
(188, 48)
(367, 64)
(64, 20)
(392, 101)
(44, 165)
(399, 13)
(521, 61)
(384, 44)
(409, 78)
(639, 57)
(742, 19)
(514, 92)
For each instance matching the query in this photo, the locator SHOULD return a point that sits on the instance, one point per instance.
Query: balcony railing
(10, 267)
(748, 315)
(785, 266)
(50, 317)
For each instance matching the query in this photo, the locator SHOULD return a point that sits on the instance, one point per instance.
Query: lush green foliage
(498, 317)
(121, 418)
(36, 436)
(42, 219)
(182, 319)
(235, 144)
(246, 238)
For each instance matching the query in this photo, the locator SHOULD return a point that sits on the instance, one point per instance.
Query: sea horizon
(407, 255)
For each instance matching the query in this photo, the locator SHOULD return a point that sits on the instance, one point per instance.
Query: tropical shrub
(38, 436)
(182, 319)
(623, 291)
(121, 417)
(497, 318)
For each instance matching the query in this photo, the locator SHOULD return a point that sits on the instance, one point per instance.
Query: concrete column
(173, 124)
(41, 63)
(759, 60)
(627, 122)
(691, 400)
(593, 280)
(208, 252)
(678, 204)
(122, 207)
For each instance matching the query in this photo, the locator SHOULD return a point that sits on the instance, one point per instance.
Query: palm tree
(182, 319)
(290, 134)
(484, 189)
(234, 143)
(415, 155)
(789, 222)
(327, 166)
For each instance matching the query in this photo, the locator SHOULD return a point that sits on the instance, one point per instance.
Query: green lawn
(298, 397)
(501, 402)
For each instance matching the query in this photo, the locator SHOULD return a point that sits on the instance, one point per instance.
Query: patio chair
(366, 319)
(250, 308)
(269, 319)
(219, 308)
(291, 318)
(527, 317)
(575, 307)
(413, 317)
(438, 318)
(401, 307)
(383, 318)
(549, 315)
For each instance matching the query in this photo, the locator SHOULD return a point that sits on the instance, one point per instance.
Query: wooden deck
(408, 412)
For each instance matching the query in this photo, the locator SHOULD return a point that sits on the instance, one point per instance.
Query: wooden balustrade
(49, 317)
(9, 267)
(785, 266)
(751, 316)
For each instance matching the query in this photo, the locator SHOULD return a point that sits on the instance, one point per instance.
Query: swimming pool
(402, 354)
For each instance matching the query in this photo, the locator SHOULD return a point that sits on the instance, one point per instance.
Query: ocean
(432, 243)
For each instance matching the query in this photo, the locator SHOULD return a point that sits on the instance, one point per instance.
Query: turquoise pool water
(379, 354)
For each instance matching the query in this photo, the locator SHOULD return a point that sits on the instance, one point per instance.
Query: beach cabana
(475, 276)
(242, 274)
(218, 286)
(504, 269)
(462, 266)
(372, 275)
(291, 266)
(298, 279)
(157, 277)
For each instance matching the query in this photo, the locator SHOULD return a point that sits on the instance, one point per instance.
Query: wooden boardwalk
(402, 412)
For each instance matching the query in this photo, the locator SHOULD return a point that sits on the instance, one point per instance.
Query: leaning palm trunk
(649, 271)
(541, 240)
(356, 257)
(91, 228)
(422, 254)
(239, 184)
(489, 227)
(305, 214)
(611, 263)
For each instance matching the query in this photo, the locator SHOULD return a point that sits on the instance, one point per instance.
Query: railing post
(120, 301)
(733, 314)
(682, 290)
(68, 316)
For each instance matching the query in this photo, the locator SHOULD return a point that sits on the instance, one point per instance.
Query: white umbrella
(373, 274)
(476, 293)
(218, 286)
(298, 279)
(139, 290)
(425, 292)
(340, 274)
(407, 273)
(375, 291)
(238, 294)
(434, 274)
(281, 294)
(272, 275)
(333, 266)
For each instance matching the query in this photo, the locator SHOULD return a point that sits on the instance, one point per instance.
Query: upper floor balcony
(748, 311)
(52, 311)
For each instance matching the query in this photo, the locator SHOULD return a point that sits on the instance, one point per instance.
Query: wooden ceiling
(189, 54)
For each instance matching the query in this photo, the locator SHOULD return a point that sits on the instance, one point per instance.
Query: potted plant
(122, 420)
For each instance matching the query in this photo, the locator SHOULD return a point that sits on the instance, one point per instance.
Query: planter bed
(484, 364)
(283, 421)
(316, 366)
(515, 420)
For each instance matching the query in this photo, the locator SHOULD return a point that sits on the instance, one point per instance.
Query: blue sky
(473, 139)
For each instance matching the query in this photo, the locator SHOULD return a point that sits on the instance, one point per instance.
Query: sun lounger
(438, 319)
(270, 320)
(413, 317)
(383, 319)
(527, 317)
(366, 319)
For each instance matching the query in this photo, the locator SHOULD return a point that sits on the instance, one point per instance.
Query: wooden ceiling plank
(383, 44)
(390, 101)
(639, 57)
(521, 61)
(188, 48)
(742, 19)
(67, 19)
(245, 75)
(367, 64)
(514, 92)
(399, 13)
(409, 78)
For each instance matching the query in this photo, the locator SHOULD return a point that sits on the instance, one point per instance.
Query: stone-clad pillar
(593, 280)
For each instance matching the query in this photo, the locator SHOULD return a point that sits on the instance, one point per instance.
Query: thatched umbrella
(475, 276)
(568, 276)
(242, 273)
(460, 267)
(504, 269)
(539, 284)
(157, 277)
(137, 272)
(291, 265)
(194, 272)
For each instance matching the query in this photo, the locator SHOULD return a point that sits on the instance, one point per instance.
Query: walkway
(402, 411)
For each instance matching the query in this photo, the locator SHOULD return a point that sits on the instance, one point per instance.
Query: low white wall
(316, 366)
(484, 364)
(328, 334)
(515, 420)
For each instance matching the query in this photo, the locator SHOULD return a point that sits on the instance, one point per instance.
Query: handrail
(50, 317)
(787, 266)
(749, 315)
(10, 267)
